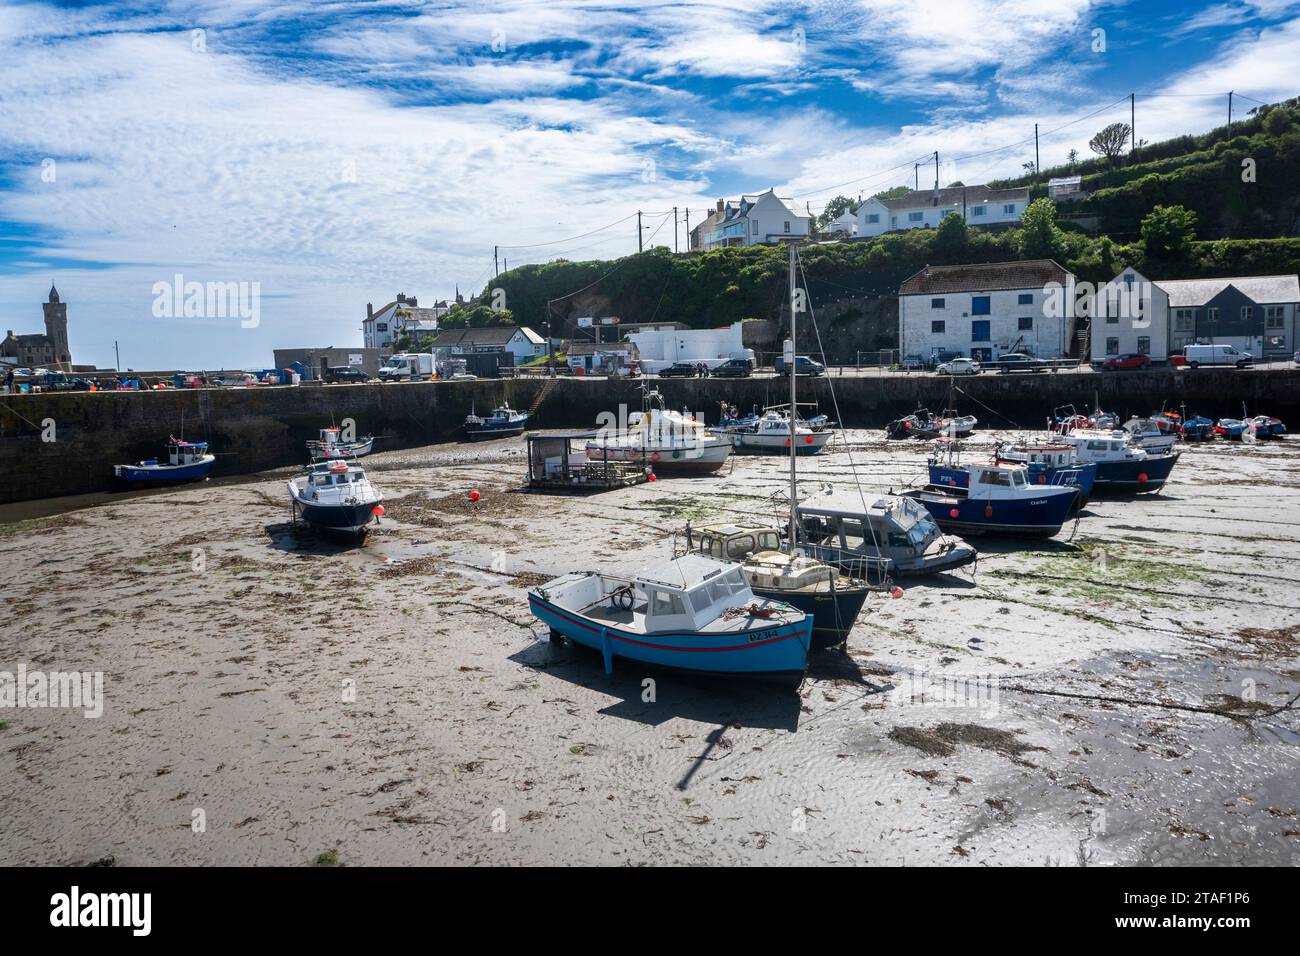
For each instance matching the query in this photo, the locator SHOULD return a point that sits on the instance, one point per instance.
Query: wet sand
(1135, 721)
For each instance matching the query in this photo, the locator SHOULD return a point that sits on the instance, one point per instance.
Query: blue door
(979, 330)
(982, 355)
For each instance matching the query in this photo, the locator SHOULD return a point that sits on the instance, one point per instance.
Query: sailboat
(821, 591)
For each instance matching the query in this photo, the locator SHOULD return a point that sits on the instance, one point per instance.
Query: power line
(556, 242)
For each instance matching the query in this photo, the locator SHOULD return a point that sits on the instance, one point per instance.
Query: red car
(1131, 360)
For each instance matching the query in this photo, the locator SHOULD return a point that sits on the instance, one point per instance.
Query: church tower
(56, 328)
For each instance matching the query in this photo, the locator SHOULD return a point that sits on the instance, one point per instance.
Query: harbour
(1114, 694)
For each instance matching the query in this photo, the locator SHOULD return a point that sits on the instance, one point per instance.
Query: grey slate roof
(952, 196)
(1266, 290)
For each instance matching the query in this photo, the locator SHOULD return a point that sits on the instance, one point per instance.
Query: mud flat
(1117, 695)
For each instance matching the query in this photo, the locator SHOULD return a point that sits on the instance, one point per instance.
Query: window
(1026, 298)
(786, 227)
(1183, 320)
(979, 330)
(979, 305)
(995, 478)
(873, 217)
(1025, 323)
(1247, 313)
(915, 216)
(754, 224)
(936, 328)
(936, 303)
(978, 211)
(740, 546)
(381, 326)
(1212, 315)
(1112, 346)
(1273, 317)
(1009, 209)
(1144, 344)
(665, 602)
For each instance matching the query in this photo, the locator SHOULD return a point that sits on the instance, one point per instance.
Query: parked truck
(408, 367)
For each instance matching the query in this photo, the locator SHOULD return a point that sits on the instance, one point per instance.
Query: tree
(834, 209)
(1030, 168)
(1168, 232)
(950, 238)
(1073, 157)
(1040, 237)
(893, 193)
(1110, 141)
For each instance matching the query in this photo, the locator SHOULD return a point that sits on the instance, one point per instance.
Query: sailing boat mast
(792, 369)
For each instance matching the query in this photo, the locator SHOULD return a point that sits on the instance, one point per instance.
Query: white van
(407, 367)
(1197, 355)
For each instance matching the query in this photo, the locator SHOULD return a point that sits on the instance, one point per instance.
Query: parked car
(958, 366)
(733, 368)
(342, 374)
(803, 365)
(1198, 355)
(680, 370)
(939, 357)
(58, 382)
(1127, 361)
(1019, 362)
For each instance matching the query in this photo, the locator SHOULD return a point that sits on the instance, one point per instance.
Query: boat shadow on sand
(301, 538)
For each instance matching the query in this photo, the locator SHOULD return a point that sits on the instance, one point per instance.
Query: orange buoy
(379, 510)
(1042, 479)
(474, 496)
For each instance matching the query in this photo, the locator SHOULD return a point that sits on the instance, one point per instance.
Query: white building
(986, 310)
(403, 315)
(522, 342)
(926, 208)
(1130, 314)
(1255, 314)
(765, 217)
(1065, 187)
(710, 346)
(843, 226)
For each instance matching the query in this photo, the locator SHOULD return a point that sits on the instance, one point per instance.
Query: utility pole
(117, 357)
(688, 230)
(506, 262)
(1132, 122)
(495, 270)
(674, 228)
(916, 176)
(1038, 167)
(639, 246)
(936, 170)
(1229, 109)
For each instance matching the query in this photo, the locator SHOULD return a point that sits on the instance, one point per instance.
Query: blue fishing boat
(502, 423)
(336, 496)
(1266, 426)
(998, 498)
(692, 614)
(1198, 428)
(186, 461)
(1121, 466)
(1049, 463)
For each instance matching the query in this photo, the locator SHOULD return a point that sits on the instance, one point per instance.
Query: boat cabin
(868, 539)
(186, 452)
(1055, 455)
(733, 542)
(994, 480)
(555, 465)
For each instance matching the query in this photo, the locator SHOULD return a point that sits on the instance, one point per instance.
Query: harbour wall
(66, 443)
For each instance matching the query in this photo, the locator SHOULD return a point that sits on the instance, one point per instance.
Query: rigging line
(844, 432)
(955, 388)
(556, 242)
(621, 263)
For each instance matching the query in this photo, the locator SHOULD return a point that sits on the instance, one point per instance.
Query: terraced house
(1255, 314)
(925, 209)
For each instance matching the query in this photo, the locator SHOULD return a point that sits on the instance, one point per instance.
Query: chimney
(370, 310)
(401, 297)
(720, 204)
(411, 302)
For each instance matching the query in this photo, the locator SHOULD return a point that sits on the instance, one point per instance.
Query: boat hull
(1134, 476)
(1031, 516)
(486, 432)
(833, 613)
(349, 518)
(1082, 476)
(702, 460)
(353, 449)
(857, 564)
(164, 474)
(776, 652)
(780, 444)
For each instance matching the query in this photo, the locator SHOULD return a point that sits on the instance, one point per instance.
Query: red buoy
(1142, 477)
(474, 496)
(896, 593)
(953, 513)
(651, 477)
(988, 511)
(808, 440)
(787, 443)
(379, 510)
(1042, 479)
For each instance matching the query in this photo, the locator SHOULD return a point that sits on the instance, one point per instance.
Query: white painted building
(1130, 314)
(710, 346)
(986, 310)
(382, 327)
(926, 208)
(762, 218)
(1255, 314)
(844, 225)
(522, 342)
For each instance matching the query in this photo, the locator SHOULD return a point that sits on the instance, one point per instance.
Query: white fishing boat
(1146, 433)
(336, 496)
(668, 442)
(771, 432)
(331, 445)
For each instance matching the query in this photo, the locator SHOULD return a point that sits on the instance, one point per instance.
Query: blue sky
(337, 153)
